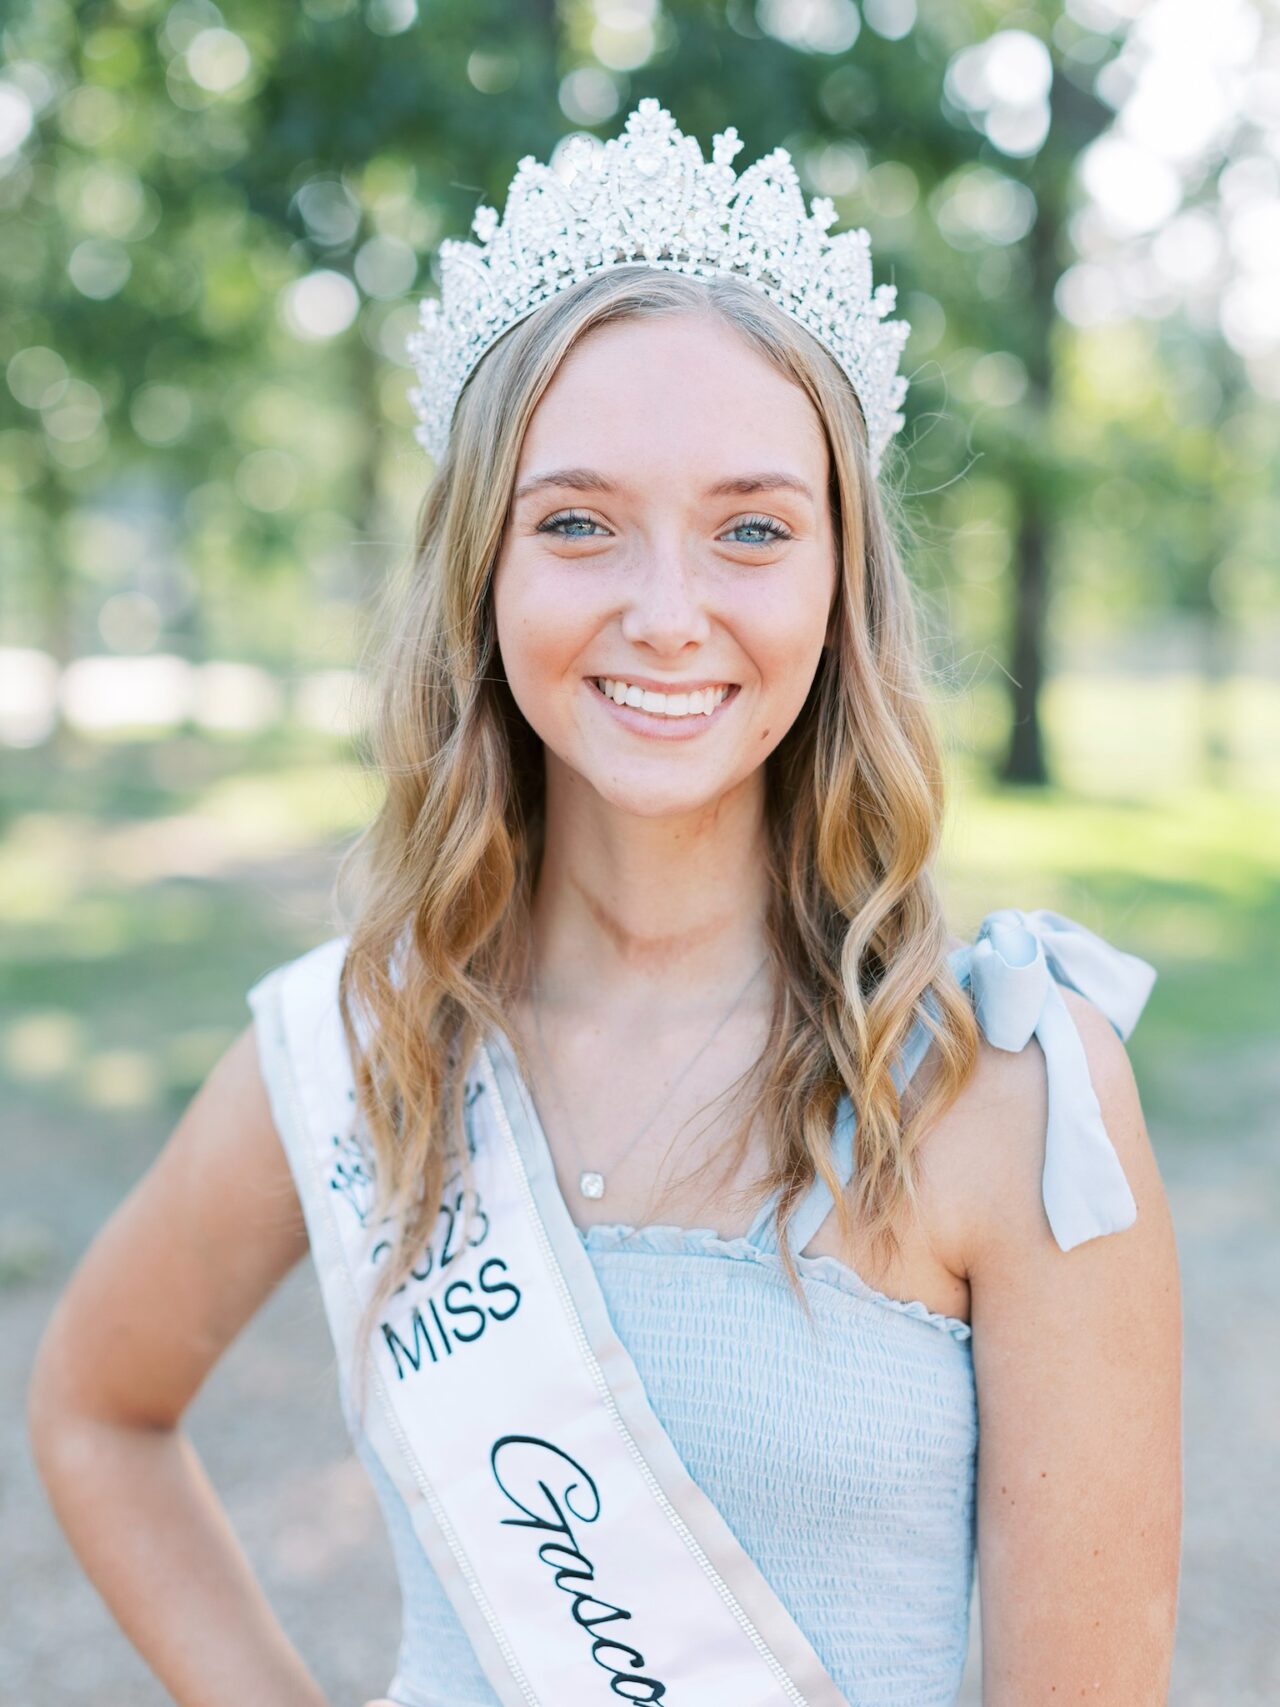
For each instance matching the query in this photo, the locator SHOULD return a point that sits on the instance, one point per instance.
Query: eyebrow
(591, 480)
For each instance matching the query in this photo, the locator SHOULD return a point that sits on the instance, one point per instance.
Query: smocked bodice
(842, 1457)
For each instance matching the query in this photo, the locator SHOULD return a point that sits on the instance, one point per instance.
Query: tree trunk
(1025, 757)
(1024, 760)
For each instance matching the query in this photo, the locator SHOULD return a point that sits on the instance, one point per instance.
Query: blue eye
(773, 529)
(555, 524)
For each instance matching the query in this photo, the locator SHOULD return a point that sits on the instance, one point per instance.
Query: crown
(649, 196)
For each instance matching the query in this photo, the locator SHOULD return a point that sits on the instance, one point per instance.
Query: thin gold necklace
(591, 1181)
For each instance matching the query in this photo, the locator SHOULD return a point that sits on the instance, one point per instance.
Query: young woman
(721, 1255)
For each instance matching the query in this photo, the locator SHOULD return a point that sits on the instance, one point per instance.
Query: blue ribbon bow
(1014, 968)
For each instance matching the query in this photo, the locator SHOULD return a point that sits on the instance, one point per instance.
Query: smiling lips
(701, 702)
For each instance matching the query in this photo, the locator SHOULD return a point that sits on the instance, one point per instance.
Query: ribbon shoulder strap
(1015, 967)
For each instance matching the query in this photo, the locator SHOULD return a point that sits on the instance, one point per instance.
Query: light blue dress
(842, 1451)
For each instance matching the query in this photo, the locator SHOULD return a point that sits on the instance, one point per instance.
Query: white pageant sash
(582, 1559)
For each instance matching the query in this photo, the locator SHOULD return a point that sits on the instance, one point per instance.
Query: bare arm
(184, 1262)
(1078, 1360)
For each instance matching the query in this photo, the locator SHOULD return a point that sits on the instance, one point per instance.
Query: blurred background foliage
(217, 223)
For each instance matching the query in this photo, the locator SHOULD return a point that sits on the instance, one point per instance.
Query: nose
(665, 607)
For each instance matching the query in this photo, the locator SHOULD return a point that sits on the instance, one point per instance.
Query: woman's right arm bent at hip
(198, 1245)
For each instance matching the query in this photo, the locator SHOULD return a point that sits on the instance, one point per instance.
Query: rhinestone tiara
(648, 195)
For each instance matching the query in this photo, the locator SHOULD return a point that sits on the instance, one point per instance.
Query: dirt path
(272, 1438)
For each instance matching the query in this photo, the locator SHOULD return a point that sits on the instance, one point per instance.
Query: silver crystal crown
(649, 196)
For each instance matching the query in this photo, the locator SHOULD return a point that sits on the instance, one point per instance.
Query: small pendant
(591, 1185)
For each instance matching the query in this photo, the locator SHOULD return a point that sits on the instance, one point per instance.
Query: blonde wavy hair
(445, 874)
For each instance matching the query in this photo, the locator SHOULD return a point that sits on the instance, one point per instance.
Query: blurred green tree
(216, 229)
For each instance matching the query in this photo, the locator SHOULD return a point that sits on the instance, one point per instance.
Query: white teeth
(701, 702)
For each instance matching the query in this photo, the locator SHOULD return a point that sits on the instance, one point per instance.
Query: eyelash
(775, 529)
(553, 523)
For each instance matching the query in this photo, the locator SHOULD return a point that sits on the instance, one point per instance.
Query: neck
(649, 913)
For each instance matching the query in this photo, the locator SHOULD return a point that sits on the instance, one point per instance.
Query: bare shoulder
(186, 1258)
(226, 1144)
(984, 1158)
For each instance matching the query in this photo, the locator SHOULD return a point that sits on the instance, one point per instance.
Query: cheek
(543, 626)
(783, 636)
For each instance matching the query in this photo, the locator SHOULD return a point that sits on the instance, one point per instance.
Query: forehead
(678, 392)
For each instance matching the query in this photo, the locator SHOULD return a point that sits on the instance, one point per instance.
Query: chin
(655, 802)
